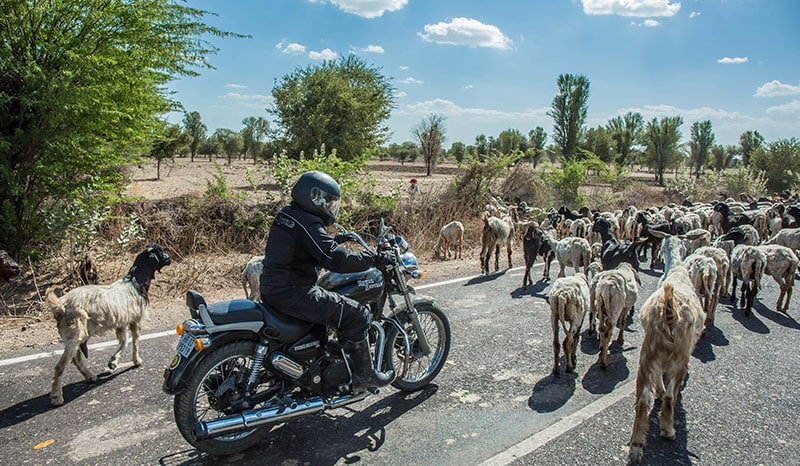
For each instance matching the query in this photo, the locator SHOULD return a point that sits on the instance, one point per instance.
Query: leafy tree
(702, 139)
(510, 141)
(254, 130)
(230, 141)
(720, 154)
(458, 150)
(197, 130)
(482, 145)
(780, 162)
(598, 141)
(537, 138)
(626, 131)
(750, 142)
(342, 104)
(430, 133)
(569, 110)
(210, 147)
(167, 143)
(662, 140)
(81, 88)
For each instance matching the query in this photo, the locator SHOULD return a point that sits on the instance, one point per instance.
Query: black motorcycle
(241, 367)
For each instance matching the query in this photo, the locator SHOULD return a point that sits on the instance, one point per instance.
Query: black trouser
(314, 304)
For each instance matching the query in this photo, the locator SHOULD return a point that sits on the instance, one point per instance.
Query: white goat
(705, 278)
(496, 232)
(450, 236)
(695, 239)
(612, 295)
(569, 301)
(570, 251)
(781, 266)
(789, 237)
(672, 321)
(723, 262)
(94, 309)
(747, 264)
(251, 278)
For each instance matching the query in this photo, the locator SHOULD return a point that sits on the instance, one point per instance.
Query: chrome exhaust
(258, 417)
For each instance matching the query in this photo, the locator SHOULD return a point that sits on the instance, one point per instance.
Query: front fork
(422, 339)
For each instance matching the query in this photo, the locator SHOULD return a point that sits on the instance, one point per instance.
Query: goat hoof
(112, 365)
(56, 400)
(635, 455)
(668, 435)
(138, 362)
(91, 379)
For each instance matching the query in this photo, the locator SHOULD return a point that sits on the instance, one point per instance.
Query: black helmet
(318, 193)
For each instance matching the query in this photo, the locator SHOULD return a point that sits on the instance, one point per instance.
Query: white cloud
(411, 80)
(369, 49)
(688, 114)
(636, 8)
(293, 48)
(253, 101)
(468, 86)
(366, 8)
(777, 89)
(694, 14)
(466, 31)
(791, 107)
(452, 110)
(648, 23)
(399, 94)
(732, 60)
(236, 86)
(326, 54)
(403, 67)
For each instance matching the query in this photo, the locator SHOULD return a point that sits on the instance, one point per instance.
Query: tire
(215, 368)
(421, 369)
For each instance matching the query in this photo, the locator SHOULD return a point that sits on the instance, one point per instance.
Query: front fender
(176, 374)
(416, 300)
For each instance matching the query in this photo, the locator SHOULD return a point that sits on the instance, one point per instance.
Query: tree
(720, 154)
(342, 104)
(511, 141)
(252, 133)
(569, 112)
(750, 142)
(430, 133)
(537, 138)
(702, 139)
(197, 130)
(230, 141)
(626, 132)
(662, 140)
(81, 88)
(458, 150)
(780, 161)
(482, 145)
(167, 143)
(598, 141)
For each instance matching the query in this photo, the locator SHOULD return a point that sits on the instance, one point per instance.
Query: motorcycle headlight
(409, 261)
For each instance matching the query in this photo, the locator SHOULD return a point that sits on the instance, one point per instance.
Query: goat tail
(758, 271)
(668, 315)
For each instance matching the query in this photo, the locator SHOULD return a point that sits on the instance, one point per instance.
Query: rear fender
(180, 368)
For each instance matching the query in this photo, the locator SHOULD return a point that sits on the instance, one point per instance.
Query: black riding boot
(364, 374)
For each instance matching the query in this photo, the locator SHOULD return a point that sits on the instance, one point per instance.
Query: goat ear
(659, 234)
(692, 236)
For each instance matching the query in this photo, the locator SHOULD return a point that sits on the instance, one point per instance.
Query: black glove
(340, 238)
(384, 258)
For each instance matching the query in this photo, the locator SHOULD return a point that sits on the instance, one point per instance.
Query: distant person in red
(413, 187)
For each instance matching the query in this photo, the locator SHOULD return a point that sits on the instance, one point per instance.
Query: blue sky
(487, 66)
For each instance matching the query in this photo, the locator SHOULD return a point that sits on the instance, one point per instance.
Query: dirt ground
(35, 329)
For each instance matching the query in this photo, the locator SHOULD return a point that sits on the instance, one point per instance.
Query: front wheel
(211, 392)
(422, 368)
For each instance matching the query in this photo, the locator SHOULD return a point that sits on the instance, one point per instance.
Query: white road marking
(539, 439)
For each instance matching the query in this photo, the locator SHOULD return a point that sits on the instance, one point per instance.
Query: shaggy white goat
(569, 301)
(94, 309)
(723, 263)
(781, 266)
(450, 236)
(672, 321)
(747, 264)
(705, 278)
(497, 232)
(789, 237)
(251, 278)
(570, 251)
(612, 295)
(695, 239)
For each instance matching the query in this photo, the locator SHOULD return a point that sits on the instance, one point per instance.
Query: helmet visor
(326, 201)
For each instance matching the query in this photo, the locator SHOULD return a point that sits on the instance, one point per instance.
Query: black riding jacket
(298, 246)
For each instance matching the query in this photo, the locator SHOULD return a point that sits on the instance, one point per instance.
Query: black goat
(614, 251)
(8, 266)
(531, 244)
(791, 217)
(568, 213)
(554, 218)
(730, 220)
(648, 239)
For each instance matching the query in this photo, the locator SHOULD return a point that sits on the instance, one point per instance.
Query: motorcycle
(241, 367)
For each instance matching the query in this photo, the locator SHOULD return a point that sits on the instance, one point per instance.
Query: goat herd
(705, 249)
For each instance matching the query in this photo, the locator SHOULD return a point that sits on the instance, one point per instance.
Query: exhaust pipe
(246, 420)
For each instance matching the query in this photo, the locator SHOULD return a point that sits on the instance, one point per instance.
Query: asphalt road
(495, 402)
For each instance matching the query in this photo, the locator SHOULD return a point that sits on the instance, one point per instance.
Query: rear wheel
(211, 392)
(422, 368)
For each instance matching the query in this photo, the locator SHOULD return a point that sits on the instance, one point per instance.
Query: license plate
(186, 345)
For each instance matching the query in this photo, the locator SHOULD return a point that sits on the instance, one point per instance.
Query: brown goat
(88, 271)
(8, 267)
(496, 232)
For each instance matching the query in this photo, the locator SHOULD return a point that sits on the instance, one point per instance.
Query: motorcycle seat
(237, 310)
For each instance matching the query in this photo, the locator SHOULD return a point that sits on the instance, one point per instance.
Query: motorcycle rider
(297, 247)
